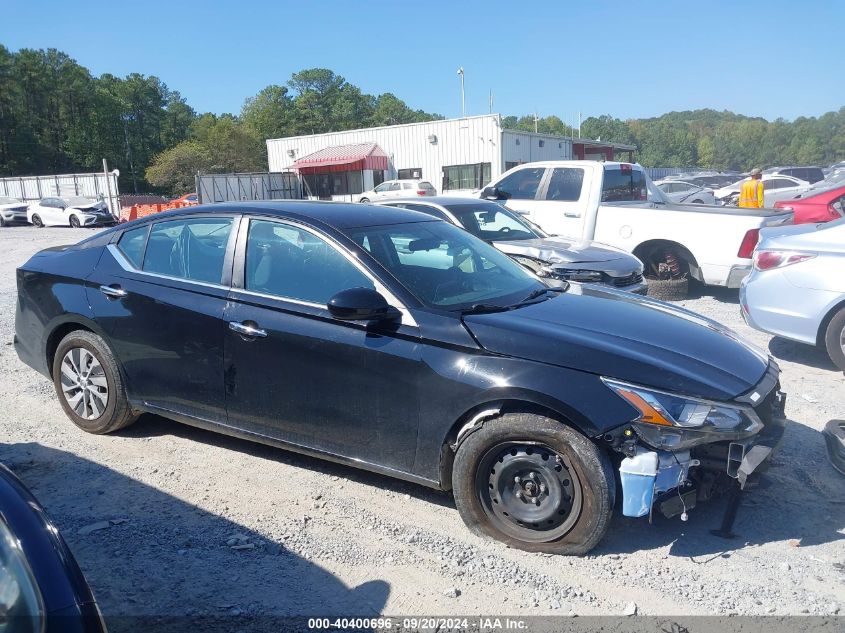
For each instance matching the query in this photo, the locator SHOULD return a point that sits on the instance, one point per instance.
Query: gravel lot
(201, 524)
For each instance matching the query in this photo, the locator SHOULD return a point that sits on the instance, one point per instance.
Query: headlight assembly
(672, 421)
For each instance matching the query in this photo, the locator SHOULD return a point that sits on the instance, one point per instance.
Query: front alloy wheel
(74, 222)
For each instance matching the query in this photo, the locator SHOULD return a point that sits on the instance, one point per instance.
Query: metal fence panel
(257, 186)
(91, 185)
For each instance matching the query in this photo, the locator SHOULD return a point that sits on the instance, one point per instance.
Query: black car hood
(559, 249)
(638, 340)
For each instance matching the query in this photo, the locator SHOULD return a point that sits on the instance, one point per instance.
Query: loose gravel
(166, 519)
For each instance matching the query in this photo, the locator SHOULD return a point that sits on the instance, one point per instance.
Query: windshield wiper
(485, 308)
(539, 292)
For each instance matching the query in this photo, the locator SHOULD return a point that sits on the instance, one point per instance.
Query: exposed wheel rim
(529, 491)
(74, 222)
(84, 383)
(842, 340)
(36, 220)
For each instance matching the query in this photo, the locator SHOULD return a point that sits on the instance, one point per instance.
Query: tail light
(834, 212)
(768, 260)
(746, 249)
(420, 192)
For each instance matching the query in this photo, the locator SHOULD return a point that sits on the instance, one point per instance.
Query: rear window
(427, 186)
(623, 185)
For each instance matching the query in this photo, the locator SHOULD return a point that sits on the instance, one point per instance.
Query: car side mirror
(491, 193)
(361, 304)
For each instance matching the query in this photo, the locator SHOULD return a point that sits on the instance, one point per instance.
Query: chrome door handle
(112, 292)
(246, 330)
(572, 214)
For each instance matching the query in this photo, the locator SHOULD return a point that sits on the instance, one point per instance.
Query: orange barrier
(143, 210)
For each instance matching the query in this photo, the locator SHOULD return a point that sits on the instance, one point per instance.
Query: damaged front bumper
(673, 481)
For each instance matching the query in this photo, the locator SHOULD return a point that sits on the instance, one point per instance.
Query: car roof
(339, 215)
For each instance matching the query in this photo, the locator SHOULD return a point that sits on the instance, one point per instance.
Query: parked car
(12, 211)
(553, 257)
(775, 187)
(823, 206)
(616, 203)
(398, 189)
(807, 174)
(74, 212)
(188, 198)
(685, 191)
(42, 589)
(392, 341)
(797, 287)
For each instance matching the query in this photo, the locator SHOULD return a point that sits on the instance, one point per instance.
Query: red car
(822, 207)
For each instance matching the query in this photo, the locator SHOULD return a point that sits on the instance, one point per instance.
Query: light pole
(463, 100)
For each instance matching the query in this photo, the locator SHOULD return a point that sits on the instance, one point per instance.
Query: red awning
(354, 157)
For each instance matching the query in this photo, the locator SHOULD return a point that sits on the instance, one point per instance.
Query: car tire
(2, 222)
(36, 220)
(74, 222)
(834, 339)
(668, 289)
(364, 200)
(83, 358)
(567, 485)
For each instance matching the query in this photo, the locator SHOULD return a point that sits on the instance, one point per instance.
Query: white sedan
(681, 191)
(796, 288)
(12, 211)
(775, 187)
(398, 189)
(74, 212)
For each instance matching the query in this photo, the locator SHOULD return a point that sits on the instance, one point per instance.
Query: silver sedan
(797, 286)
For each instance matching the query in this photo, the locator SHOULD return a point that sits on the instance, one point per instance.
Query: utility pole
(579, 124)
(463, 100)
(125, 118)
(536, 120)
(491, 101)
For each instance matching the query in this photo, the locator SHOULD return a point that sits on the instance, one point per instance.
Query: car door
(299, 376)
(561, 202)
(383, 190)
(780, 188)
(159, 292)
(52, 212)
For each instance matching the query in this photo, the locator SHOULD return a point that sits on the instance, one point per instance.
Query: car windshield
(493, 222)
(444, 266)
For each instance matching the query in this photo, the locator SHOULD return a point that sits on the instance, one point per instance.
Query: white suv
(398, 189)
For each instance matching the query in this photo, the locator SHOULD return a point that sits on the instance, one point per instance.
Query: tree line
(712, 140)
(56, 117)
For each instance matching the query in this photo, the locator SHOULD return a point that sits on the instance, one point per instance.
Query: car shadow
(800, 500)
(795, 352)
(168, 565)
(698, 290)
(154, 425)
(789, 503)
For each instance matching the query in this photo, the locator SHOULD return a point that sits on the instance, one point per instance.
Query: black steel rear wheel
(535, 484)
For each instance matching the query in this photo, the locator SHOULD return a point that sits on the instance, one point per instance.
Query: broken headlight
(670, 421)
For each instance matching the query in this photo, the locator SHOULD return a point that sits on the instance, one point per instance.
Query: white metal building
(453, 154)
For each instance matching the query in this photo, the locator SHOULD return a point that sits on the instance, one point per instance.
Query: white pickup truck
(617, 204)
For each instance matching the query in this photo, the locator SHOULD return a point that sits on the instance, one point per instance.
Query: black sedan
(554, 257)
(396, 342)
(42, 589)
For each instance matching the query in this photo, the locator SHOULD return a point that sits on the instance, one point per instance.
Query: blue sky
(630, 59)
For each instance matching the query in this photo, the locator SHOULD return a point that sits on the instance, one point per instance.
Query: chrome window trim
(406, 319)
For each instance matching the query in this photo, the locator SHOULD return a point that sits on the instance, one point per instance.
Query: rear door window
(565, 184)
(623, 185)
(188, 249)
(778, 183)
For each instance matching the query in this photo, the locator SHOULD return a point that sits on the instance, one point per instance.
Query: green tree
(270, 113)
(174, 169)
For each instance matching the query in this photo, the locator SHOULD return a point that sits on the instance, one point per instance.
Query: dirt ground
(201, 524)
